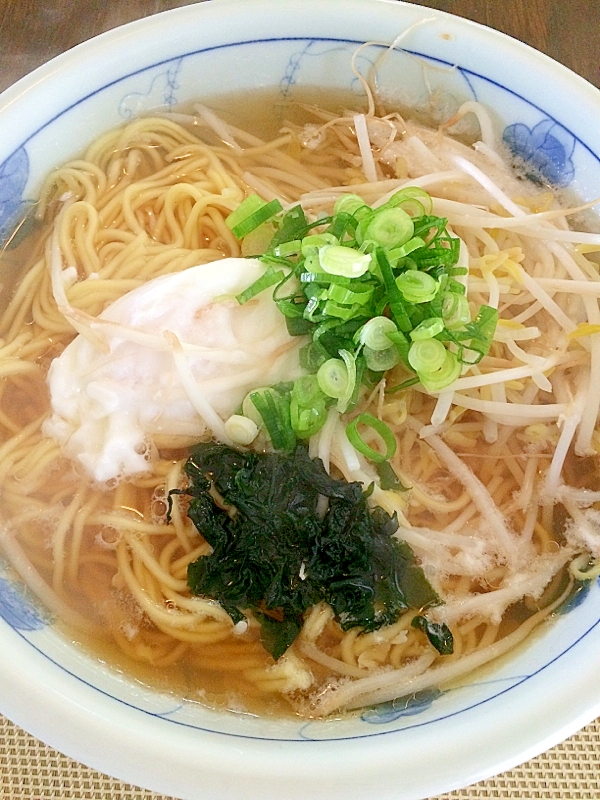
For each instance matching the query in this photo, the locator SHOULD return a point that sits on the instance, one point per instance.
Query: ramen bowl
(437, 741)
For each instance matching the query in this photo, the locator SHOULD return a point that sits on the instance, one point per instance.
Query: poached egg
(165, 365)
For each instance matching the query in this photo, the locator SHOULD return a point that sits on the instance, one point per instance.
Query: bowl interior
(224, 48)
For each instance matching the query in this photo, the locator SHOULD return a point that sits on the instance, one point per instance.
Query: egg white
(179, 360)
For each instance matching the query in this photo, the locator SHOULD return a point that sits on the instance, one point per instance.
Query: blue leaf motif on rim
(547, 148)
(161, 91)
(385, 713)
(13, 178)
(17, 611)
(313, 49)
(578, 595)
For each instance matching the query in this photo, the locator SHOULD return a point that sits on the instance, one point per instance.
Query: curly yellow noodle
(59, 539)
(79, 526)
(147, 557)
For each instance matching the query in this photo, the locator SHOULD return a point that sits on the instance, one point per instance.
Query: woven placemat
(29, 770)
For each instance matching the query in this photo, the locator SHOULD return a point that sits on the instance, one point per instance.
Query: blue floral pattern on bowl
(384, 713)
(161, 90)
(16, 610)
(13, 178)
(546, 149)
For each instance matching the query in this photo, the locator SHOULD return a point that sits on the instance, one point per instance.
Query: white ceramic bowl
(542, 694)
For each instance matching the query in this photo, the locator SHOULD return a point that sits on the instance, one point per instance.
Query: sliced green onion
(350, 364)
(270, 278)
(345, 261)
(342, 312)
(416, 243)
(485, 324)
(288, 248)
(326, 279)
(479, 334)
(251, 213)
(307, 421)
(333, 378)
(416, 286)
(403, 197)
(274, 408)
(455, 310)
(340, 294)
(312, 243)
(241, 430)
(312, 356)
(396, 302)
(298, 326)
(249, 408)
(427, 329)
(307, 391)
(380, 428)
(245, 209)
(437, 380)
(374, 333)
(294, 225)
(308, 407)
(342, 225)
(413, 207)
(358, 289)
(361, 370)
(348, 204)
(311, 308)
(402, 345)
(390, 227)
(257, 242)
(402, 386)
(381, 360)
(426, 355)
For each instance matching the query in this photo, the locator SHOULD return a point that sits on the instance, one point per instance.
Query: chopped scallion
(380, 428)
(308, 407)
(333, 378)
(427, 329)
(345, 261)
(348, 204)
(416, 286)
(389, 228)
(270, 278)
(350, 364)
(404, 197)
(371, 287)
(274, 408)
(311, 244)
(455, 310)
(374, 333)
(447, 373)
(388, 480)
(288, 248)
(426, 355)
(241, 430)
(251, 213)
(381, 360)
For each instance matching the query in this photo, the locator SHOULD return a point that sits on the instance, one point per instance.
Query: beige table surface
(32, 32)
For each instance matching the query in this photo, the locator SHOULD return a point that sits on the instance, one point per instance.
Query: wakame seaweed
(438, 633)
(276, 553)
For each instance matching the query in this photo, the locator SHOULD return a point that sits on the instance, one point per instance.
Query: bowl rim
(57, 696)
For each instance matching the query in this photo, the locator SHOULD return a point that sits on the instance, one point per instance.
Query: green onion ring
(380, 428)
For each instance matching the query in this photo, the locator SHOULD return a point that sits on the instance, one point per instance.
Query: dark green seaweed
(277, 551)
